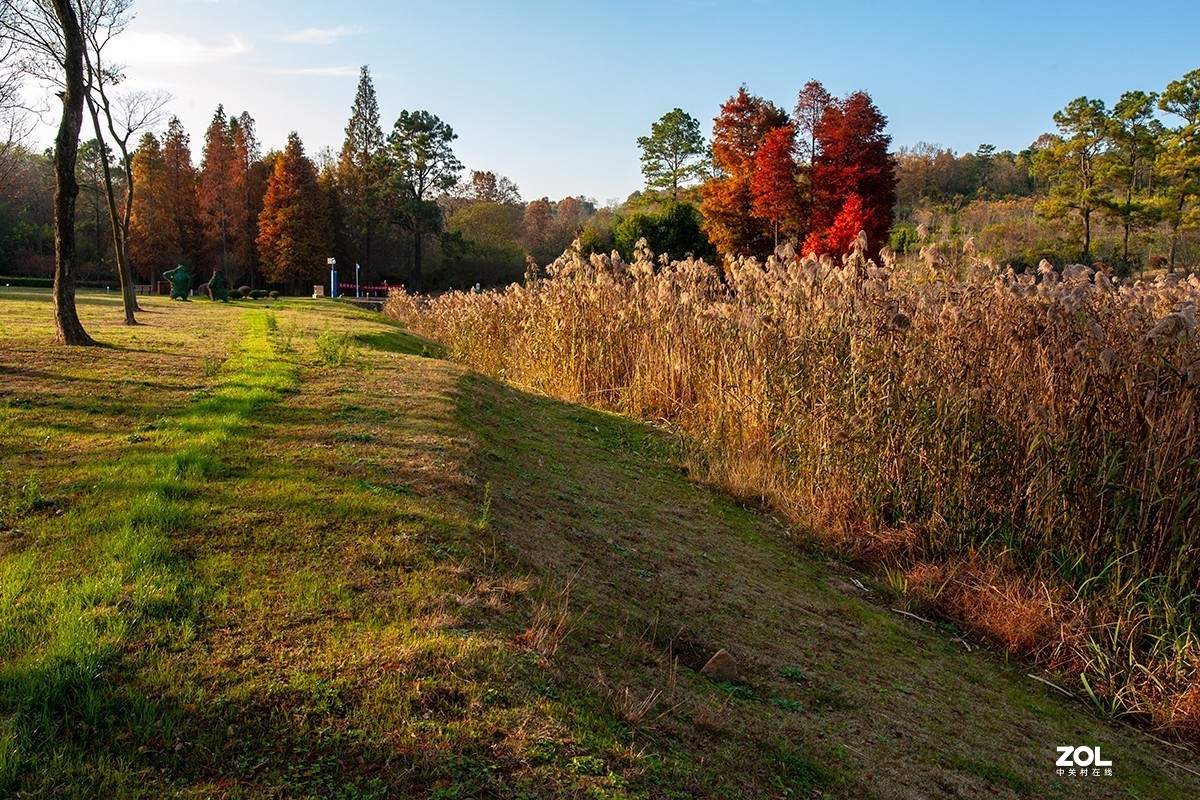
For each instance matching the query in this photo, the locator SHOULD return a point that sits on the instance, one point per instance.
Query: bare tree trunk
(128, 301)
(66, 148)
(416, 275)
(1175, 229)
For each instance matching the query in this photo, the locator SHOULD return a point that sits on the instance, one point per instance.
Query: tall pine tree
(1179, 159)
(360, 174)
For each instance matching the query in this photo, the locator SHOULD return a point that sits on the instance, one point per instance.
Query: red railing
(347, 289)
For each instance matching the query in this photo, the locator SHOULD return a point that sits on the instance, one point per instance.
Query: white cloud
(160, 48)
(320, 35)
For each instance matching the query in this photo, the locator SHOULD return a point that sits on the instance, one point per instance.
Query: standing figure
(218, 287)
(181, 282)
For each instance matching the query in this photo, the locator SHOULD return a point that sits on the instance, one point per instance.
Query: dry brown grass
(1044, 425)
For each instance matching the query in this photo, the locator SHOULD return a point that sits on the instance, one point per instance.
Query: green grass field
(283, 550)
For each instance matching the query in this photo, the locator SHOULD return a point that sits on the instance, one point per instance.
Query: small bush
(273, 295)
(244, 291)
(258, 294)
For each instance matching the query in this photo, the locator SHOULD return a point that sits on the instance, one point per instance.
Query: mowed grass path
(276, 550)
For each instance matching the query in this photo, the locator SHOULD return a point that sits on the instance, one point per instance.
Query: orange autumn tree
(251, 186)
(774, 189)
(151, 244)
(217, 193)
(164, 220)
(294, 236)
(738, 132)
(179, 197)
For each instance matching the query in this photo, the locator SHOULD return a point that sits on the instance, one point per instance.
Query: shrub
(273, 295)
(259, 294)
(244, 291)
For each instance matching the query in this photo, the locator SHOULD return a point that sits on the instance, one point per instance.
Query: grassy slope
(257, 555)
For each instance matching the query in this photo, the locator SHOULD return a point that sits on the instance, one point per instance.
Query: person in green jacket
(218, 287)
(180, 282)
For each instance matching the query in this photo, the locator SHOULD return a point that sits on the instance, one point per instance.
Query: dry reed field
(1019, 453)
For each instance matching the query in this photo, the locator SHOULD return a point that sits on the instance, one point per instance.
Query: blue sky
(554, 93)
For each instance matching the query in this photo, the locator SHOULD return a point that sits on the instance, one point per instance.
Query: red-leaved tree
(841, 235)
(774, 189)
(852, 159)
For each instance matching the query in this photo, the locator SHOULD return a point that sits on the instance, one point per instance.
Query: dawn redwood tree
(293, 228)
(738, 131)
(150, 222)
(250, 186)
(422, 165)
(674, 152)
(842, 234)
(179, 198)
(811, 103)
(852, 160)
(217, 193)
(775, 192)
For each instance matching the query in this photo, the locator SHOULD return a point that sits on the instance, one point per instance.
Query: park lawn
(281, 549)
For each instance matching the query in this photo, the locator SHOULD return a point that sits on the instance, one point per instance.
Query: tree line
(1118, 184)
(402, 205)
(389, 203)
(815, 178)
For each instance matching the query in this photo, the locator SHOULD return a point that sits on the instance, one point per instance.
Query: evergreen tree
(421, 165)
(1069, 163)
(673, 153)
(1134, 138)
(1179, 159)
(360, 173)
